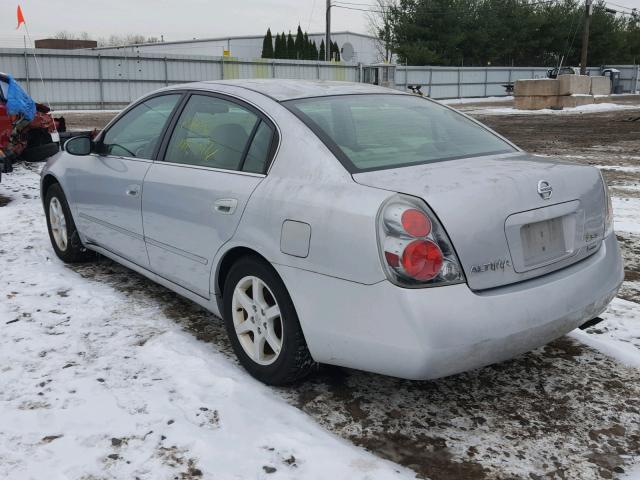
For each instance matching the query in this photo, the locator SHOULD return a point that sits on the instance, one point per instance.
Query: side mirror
(78, 146)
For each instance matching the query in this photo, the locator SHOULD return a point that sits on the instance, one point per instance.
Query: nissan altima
(340, 223)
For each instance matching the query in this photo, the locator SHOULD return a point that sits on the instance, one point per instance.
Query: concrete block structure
(600, 86)
(567, 91)
(572, 101)
(535, 102)
(536, 87)
(574, 85)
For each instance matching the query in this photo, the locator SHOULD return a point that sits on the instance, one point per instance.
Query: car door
(107, 186)
(192, 201)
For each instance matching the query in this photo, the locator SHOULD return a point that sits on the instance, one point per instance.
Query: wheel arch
(48, 180)
(226, 262)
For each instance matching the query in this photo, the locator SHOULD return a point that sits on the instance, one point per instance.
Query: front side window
(213, 132)
(372, 132)
(137, 133)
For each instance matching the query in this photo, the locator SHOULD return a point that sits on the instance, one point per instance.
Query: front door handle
(133, 190)
(225, 206)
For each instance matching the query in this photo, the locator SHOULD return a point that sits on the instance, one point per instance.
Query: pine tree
(283, 46)
(335, 51)
(306, 51)
(267, 45)
(314, 52)
(321, 53)
(291, 47)
(276, 46)
(299, 43)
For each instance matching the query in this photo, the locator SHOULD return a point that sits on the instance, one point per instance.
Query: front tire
(262, 324)
(62, 230)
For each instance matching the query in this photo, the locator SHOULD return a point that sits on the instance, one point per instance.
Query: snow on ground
(626, 214)
(619, 335)
(98, 384)
(596, 107)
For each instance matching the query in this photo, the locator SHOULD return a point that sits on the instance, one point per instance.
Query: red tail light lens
(422, 260)
(415, 249)
(415, 223)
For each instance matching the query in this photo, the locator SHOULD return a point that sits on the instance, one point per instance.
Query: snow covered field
(104, 375)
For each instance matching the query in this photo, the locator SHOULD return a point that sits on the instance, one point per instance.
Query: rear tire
(263, 325)
(62, 230)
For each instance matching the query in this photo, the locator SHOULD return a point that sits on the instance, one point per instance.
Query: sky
(176, 20)
(180, 20)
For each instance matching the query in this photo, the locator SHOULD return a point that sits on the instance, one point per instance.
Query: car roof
(283, 90)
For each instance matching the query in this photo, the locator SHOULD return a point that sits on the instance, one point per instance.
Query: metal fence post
(318, 70)
(486, 80)
(430, 80)
(166, 73)
(273, 69)
(459, 75)
(100, 82)
(26, 71)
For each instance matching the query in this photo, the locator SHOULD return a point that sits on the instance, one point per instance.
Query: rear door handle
(133, 190)
(225, 206)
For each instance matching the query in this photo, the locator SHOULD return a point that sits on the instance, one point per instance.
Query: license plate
(542, 241)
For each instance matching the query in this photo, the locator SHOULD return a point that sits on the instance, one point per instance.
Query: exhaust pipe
(591, 323)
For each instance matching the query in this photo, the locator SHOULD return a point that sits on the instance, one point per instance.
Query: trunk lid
(501, 227)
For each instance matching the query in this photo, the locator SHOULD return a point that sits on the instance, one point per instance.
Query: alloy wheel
(58, 223)
(257, 320)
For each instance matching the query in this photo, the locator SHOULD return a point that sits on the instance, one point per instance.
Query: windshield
(373, 132)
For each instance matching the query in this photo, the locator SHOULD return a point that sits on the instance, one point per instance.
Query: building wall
(61, 44)
(250, 47)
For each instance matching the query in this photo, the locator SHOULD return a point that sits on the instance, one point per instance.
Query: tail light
(415, 249)
(608, 212)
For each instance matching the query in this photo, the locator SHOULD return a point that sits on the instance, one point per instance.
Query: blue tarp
(19, 102)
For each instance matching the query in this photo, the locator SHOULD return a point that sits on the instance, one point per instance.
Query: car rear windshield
(374, 132)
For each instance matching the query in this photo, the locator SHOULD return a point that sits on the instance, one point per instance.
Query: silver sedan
(340, 223)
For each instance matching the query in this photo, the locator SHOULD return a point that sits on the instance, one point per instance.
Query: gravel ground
(563, 411)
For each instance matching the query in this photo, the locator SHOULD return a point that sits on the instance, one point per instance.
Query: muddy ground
(563, 411)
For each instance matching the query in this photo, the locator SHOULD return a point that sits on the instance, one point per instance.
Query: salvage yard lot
(104, 374)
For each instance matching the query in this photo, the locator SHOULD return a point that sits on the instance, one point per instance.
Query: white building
(364, 47)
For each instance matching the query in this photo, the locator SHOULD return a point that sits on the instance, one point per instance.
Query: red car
(34, 140)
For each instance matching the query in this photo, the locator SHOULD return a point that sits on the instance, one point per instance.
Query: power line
(620, 6)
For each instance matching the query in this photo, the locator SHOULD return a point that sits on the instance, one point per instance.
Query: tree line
(504, 32)
(298, 48)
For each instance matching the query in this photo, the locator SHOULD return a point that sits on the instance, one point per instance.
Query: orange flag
(20, 17)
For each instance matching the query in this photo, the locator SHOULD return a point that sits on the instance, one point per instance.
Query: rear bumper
(434, 332)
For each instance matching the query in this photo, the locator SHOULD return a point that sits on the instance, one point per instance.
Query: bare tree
(380, 26)
(65, 35)
(129, 39)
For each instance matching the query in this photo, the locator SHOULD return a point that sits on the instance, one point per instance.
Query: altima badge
(544, 189)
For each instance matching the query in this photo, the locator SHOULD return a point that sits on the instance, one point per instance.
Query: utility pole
(585, 36)
(327, 40)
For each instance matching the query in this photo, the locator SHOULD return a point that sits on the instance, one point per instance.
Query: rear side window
(136, 134)
(217, 133)
(372, 132)
(259, 151)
